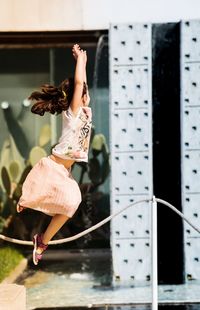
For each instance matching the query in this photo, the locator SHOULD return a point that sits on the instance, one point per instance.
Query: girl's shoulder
(83, 110)
(69, 113)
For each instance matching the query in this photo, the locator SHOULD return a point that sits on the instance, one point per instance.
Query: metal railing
(154, 268)
(155, 247)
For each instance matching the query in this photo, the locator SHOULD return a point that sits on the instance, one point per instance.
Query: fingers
(76, 47)
(76, 51)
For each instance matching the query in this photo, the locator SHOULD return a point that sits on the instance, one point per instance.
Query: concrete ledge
(16, 272)
(12, 296)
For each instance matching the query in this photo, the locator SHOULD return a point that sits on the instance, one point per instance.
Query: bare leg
(56, 223)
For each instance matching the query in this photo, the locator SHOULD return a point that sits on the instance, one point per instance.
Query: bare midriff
(65, 162)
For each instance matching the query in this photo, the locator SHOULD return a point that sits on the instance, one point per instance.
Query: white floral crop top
(76, 130)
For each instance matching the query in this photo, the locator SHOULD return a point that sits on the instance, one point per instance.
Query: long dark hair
(54, 99)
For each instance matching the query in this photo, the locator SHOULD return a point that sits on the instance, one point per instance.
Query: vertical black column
(166, 148)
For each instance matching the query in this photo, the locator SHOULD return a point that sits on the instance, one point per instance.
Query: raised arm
(79, 78)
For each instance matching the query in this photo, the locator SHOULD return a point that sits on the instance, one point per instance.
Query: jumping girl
(50, 187)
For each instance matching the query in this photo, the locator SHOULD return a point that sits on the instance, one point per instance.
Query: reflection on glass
(26, 137)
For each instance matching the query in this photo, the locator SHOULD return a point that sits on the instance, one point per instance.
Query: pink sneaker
(37, 241)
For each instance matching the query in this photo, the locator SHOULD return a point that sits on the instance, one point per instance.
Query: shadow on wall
(166, 147)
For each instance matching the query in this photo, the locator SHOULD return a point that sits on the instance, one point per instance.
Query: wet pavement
(82, 280)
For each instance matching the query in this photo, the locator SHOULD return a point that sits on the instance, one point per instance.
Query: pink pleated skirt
(50, 188)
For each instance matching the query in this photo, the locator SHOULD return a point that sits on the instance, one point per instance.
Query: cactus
(24, 174)
(36, 154)
(16, 132)
(15, 154)
(6, 153)
(17, 193)
(105, 170)
(45, 135)
(18, 190)
(98, 142)
(6, 180)
(9, 208)
(14, 170)
(94, 171)
(2, 224)
(1, 200)
(99, 170)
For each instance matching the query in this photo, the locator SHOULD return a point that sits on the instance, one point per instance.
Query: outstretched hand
(77, 51)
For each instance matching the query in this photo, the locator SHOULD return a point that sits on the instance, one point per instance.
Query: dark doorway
(166, 148)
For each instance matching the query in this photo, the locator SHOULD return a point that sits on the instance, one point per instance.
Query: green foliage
(16, 160)
(36, 153)
(6, 180)
(14, 170)
(16, 132)
(105, 170)
(2, 223)
(99, 166)
(9, 259)
(8, 208)
(18, 190)
(10, 197)
(94, 170)
(25, 173)
(45, 135)
(12, 183)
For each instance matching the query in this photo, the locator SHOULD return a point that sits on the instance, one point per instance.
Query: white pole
(154, 269)
(53, 118)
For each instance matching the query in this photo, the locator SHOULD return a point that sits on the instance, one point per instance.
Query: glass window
(26, 137)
